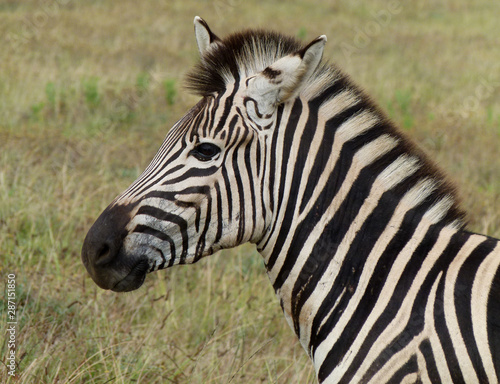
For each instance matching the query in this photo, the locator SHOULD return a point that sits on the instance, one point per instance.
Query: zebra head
(209, 185)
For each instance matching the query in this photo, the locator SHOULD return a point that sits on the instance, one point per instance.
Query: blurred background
(88, 91)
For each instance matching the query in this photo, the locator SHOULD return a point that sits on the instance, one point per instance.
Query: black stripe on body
(258, 159)
(444, 336)
(263, 209)
(336, 229)
(462, 293)
(304, 148)
(416, 321)
(411, 366)
(430, 363)
(284, 226)
(272, 160)
(239, 187)
(250, 182)
(298, 169)
(417, 317)
(383, 265)
(493, 309)
(330, 128)
(321, 159)
(352, 264)
(329, 241)
(377, 280)
(220, 218)
(335, 355)
(229, 194)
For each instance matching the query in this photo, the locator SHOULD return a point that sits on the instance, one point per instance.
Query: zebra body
(362, 238)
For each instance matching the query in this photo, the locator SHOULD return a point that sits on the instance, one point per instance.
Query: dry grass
(88, 91)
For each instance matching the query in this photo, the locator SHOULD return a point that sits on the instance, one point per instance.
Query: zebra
(362, 237)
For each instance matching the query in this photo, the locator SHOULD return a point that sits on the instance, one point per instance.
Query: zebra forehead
(238, 56)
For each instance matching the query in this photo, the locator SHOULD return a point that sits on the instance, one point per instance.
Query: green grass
(87, 94)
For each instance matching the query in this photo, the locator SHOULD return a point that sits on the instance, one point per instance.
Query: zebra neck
(346, 180)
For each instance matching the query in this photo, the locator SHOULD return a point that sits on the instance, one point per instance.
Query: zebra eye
(205, 151)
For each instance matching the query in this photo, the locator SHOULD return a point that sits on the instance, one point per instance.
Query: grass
(87, 93)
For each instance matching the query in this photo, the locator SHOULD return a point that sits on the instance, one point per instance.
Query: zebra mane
(238, 55)
(249, 52)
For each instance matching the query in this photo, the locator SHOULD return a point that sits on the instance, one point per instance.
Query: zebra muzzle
(104, 256)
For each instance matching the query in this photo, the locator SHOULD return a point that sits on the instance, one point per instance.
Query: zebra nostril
(103, 251)
(103, 254)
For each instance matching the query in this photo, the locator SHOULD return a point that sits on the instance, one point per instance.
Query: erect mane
(238, 55)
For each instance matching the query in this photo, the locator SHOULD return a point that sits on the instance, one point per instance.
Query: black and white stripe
(362, 237)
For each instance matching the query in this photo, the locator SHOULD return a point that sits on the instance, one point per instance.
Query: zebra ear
(204, 36)
(283, 80)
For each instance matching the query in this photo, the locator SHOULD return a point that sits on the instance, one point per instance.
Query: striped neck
(343, 174)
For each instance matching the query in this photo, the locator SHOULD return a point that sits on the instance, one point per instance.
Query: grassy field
(89, 89)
